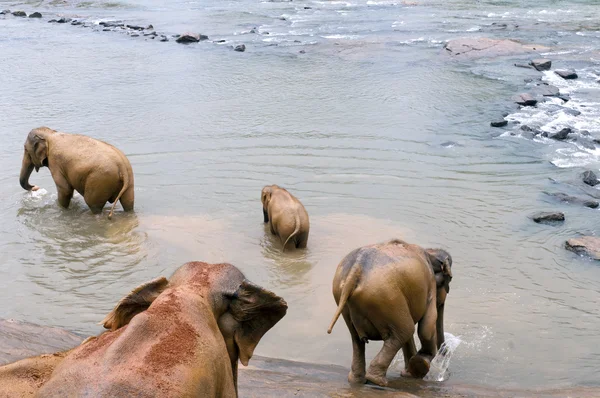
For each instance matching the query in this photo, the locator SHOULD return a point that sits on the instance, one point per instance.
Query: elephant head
(243, 311)
(35, 155)
(265, 198)
(441, 263)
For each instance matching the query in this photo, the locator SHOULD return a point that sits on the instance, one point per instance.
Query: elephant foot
(356, 378)
(379, 380)
(418, 366)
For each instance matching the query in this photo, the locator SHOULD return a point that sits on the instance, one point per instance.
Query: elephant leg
(357, 372)
(380, 364)
(95, 198)
(65, 190)
(127, 199)
(409, 350)
(302, 240)
(419, 364)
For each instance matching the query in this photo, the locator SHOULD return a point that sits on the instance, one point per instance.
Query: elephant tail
(125, 187)
(296, 230)
(347, 289)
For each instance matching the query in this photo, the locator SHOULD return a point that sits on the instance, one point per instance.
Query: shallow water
(354, 127)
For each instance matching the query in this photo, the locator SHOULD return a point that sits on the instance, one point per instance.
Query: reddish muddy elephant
(286, 216)
(382, 291)
(180, 337)
(98, 171)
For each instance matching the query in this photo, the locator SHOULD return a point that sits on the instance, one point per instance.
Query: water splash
(438, 370)
(39, 194)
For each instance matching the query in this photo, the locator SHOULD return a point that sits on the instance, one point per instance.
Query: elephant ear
(441, 263)
(256, 310)
(135, 302)
(40, 150)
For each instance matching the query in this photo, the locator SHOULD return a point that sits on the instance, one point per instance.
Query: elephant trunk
(26, 169)
(265, 215)
(440, 326)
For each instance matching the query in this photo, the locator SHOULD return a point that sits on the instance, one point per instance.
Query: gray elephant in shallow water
(382, 291)
(286, 216)
(98, 171)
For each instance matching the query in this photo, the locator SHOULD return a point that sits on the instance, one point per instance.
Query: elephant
(286, 216)
(382, 291)
(180, 337)
(98, 171)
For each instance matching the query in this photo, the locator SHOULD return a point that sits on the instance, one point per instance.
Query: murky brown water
(353, 129)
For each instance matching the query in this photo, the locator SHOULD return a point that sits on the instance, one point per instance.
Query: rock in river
(563, 197)
(35, 15)
(525, 99)
(191, 38)
(541, 64)
(588, 245)
(499, 123)
(240, 48)
(548, 216)
(562, 134)
(4, 12)
(486, 47)
(19, 14)
(566, 73)
(590, 178)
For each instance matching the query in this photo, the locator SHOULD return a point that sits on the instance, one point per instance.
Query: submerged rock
(566, 73)
(486, 47)
(62, 20)
(541, 64)
(240, 48)
(547, 90)
(525, 99)
(562, 134)
(524, 66)
(112, 24)
(3, 12)
(548, 217)
(588, 245)
(19, 14)
(589, 177)
(563, 197)
(499, 123)
(35, 15)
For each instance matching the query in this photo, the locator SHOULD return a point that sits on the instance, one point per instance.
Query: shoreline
(273, 377)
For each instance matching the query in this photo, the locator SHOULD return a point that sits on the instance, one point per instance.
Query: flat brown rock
(486, 47)
(588, 245)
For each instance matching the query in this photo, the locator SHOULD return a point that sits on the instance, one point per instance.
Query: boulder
(240, 48)
(3, 12)
(547, 90)
(564, 97)
(35, 15)
(541, 64)
(499, 123)
(571, 111)
(563, 197)
(589, 177)
(525, 99)
(562, 134)
(191, 38)
(63, 20)
(135, 27)
(566, 73)
(485, 47)
(548, 216)
(164, 38)
(112, 24)
(19, 13)
(588, 245)
(76, 23)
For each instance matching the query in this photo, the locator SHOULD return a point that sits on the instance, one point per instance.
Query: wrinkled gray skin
(173, 338)
(98, 171)
(382, 291)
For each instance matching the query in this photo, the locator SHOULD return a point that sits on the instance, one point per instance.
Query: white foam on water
(338, 36)
(37, 195)
(438, 370)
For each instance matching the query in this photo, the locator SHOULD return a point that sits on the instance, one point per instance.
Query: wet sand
(270, 377)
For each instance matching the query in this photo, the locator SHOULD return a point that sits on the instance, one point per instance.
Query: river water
(353, 107)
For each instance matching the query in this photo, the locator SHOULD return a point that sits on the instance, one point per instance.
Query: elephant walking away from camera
(98, 171)
(382, 291)
(286, 216)
(180, 337)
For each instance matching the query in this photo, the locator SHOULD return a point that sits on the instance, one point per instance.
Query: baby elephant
(286, 216)
(98, 171)
(382, 291)
(173, 338)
